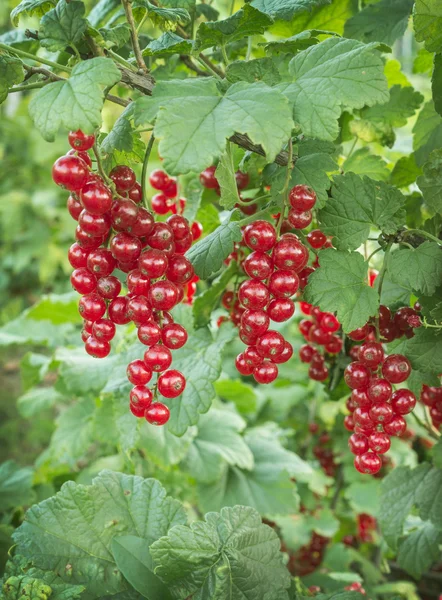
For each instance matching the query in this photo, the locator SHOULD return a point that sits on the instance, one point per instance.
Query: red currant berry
(290, 253)
(182, 246)
(304, 326)
(174, 336)
(316, 239)
(318, 373)
(96, 197)
(143, 225)
(123, 177)
(91, 307)
(283, 284)
(381, 412)
(74, 207)
(379, 390)
(270, 345)
(356, 375)
(260, 235)
(403, 401)
(103, 329)
(108, 287)
(137, 283)
(95, 225)
(101, 262)
(334, 345)
(368, 463)
(396, 426)
(83, 281)
(124, 214)
(396, 368)
(304, 275)
(138, 310)
(243, 366)
(160, 204)
(255, 322)
(281, 309)
(258, 265)
(371, 354)
(329, 322)
(208, 179)
(97, 348)
(138, 373)
(140, 395)
(402, 316)
(70, 172)
(306, 353)
(349, 423)
(302, 197)
(125, 247)
(253, 294)
(137, 411)
(153, 263)
(379, 442)
(252, 357)
(158, 358)
(266, 372)
(196, 230)
(163, 295)
(242, 180)
(171, 190)
(358, 443)
(161, 236)
(318, 336)
(357, 335)
(179, 226)
(81, 141)
(157, 414)
(136, 193)
(117, 310)
(180, 270)
(158, 179)
(286, 354)
(77, 256)
(87, 240)
(171, 384)
(301, 219)
(362, 418)
(149, 334)
(361, 398)
(84, 157)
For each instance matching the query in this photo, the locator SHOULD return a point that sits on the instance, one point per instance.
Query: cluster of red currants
(377, 412)
(324, 453)
(391, 327)
(366, 526)
(210, 182)
(115, 232)
(320, 333)
(432, 397)
(308, 558)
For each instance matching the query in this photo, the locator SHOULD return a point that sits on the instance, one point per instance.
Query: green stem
(29, 86)
(249, 47)
(100, 164)
(285, 189)
(258, 215)
(423, 234)
(232, 6)
(76, 52)
(373, 253)
(207, 66)
(146, 201)
(224, 55)
(122, 61)
(425, 426)
(352, 148)
(380, 280)
(43, 61)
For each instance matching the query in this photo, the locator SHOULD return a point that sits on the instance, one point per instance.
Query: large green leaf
(358, 203)
(206, 302)
(37, 400)
(11, 72)
(75, 528)
(259, 69)
(39, 585)
(15, 486)
(335, 74)
(168, 43)
(427, 133)
(424, 350)
(225, 175)
(428, 24)
(436, 83)
(63, 26)
(385, 21)
(164, 16)
(430, 183)
(31, 8)
(193, 143)
(340, 285)
(162, 447)
(362, 162)
(56, 308)
(329, 17)
(286, 9)
(403, 103)
(230, 554)
(420, 549)
(75, 103)
(418, 269)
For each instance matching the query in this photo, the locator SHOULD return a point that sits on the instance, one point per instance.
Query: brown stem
(127, 4)
(192, 66)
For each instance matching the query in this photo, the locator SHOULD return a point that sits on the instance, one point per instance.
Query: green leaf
(364, 497)
(241, 394)
(56, 308)
(208, 254)
(286, 9)
(356, 204)
(164, 448)
(418, 269)
(225, 174)
(193, 143)
(404, 488)
(405, 172)
(115, 37)
(201, 360)
(167, 18)
(385, 21)
(355, 73)
(122, 137)
(63, 26)
(424, 350)
(76, 527)
(428, 24)
(362, 162)
(312, 168)
(427, 133)
(436, 83)
(246, 21)
(330, 17)
(206, 302)
(15, 486)
(419, 550)
(340, 284)
(430, 183)
(31, 8)
(219, 442)
(260, 69)
(294, 43)
(37, 400)
(403, 103)
(168, 43)
(230, 554)
(79, 373)
(423, 63)
(11, 72)
(133, 558)
(75, 103)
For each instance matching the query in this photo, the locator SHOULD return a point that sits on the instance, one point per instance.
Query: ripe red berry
(329, 322)
(87, 240)
(302, 197)
(157, 414)
(143, 225)
(196, 230)
(289, 253)
(281, 309)
(371, 354)
(208, 179)
(379, 390)
(357, 335)
(253, 294)
(286, 354)
(161, 236)
(306, 353)
(260, 235)
(299, 219)
(103, 329)
(396, 368)
(258, 265)
(91, 307)
(319, 373)
(361, 398)
(138, 373)
(182, 246)
(160, 204)
(316, 239)
(180, 270)
(368, 463)
(123, 177)
(349, 423)
(74, 207)
(358, 443)
(266, 372)
(83, 281)
(124, 214)
(158, 358)
(81, 141)
(243, 366)
(137, 410)
(362, 417)
(379, 442)
(96, 197)
(334, 345)
(396, 426)
(77, 256)
(270, 345)
(381, 412)
(171, 384)
(255, 322)
(304, 326)
(139, 310)
(252, 357)
(101, 262)
(242, 180)
(84, 157)
(174, 336)
(163, 295)
(95, 225)
(125, 247)
(136, 193)
(97, 348)
(70, 172)
(149, 334)
(356, 375)
(108, 287)
(403, 401)
(283, 284)
(158, 179)
(140, 395)
(117, 310)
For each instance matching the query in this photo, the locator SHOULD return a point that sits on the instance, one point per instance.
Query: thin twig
(127, 4)
(380, 283)
(422, 233)
(285, 189)
(43, 61)
(99, 163)
(192, 66)
(146, 202)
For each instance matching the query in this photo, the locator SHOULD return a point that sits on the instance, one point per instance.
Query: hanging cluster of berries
(308, 558)
(115, 232)
(432, 397)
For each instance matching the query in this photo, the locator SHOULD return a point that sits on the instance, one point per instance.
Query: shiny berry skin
(318, 373)
(255, 322)
(397, 426)
(304, 326)
(171, 191)
(117, 310)
(140, 395)
(161, 236)
(123, 177)
(101, 262)
(87, 240)
(252, 357)
(208, 179)
(138, 310)
(95, 225)
(149, 333)
(179, 226)
(138, 373)
(283, 284)
(316, 239)
(84, 157)
(379, 390)
(306, 353)
(349, 423)
(403, 401)
(362, 417)
(158, 179)
(137, 283)
(174, 336)
(158, 358)
(124, 214)
(299, 219)
(74, 207)
(396, 368)
(103, 329)
(379, 442)
(302, 197)
(402, 316)
(91, 307)
(286, 354)
(381, 412)
(247, 338)
(265, 373)
(153, 263)
(125, 247)
(318, 336)
(357, 335)
(108, 287)
(329, 322)
(304, 274)
(281, 309)
(253, 294)
(160, 204)
(334, 345)
(196, 230)
(157, 414)
(182, 246)
(70, 172)
(361, 398)
(356, 375)
(180, 270)
(171, 383)
(270, 345)
(143, 225)
(81, 141)
(368, 463)
(289, 253)
(243, 366)
(260, 235)
(371, 354)
(163, 295)
(137, 411)
(258, 265)
(242, 180)
(136, 193)
(97, 348)
(358, 443)
(96, 198)
(83, 281)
